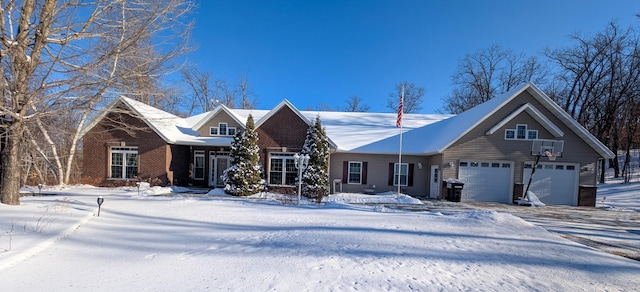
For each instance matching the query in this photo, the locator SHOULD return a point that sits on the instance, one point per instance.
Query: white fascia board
(214, 113)
(282, 104)
(579, 129)
(535, 113)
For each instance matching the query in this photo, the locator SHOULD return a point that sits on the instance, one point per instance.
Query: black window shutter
(345, 171)
(364, 172)
(391, 173)
(410, 175)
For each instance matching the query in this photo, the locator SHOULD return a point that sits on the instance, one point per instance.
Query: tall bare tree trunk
(10, 189)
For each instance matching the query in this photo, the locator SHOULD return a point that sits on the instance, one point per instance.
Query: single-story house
(488, 147)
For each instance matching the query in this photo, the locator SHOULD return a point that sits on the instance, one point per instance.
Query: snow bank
(531, 200)
(380, 198)
(218, 242)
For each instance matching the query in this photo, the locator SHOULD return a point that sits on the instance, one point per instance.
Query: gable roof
(171, 128)
(277, 108)
(165, 124)
(204, 118)
(446, 132)
(364, 132)
(533, 112)
(349, 130)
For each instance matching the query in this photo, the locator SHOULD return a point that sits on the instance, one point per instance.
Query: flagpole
(400, 113)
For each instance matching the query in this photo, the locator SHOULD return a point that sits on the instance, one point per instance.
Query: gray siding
(221, 117)
(378, 172)
(477, 145)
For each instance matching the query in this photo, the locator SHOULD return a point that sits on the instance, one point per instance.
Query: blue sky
(322, 52)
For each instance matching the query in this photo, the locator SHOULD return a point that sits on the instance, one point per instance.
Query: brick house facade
(489, 147)
(157, 161)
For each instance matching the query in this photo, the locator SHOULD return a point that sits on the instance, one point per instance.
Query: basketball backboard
(542, 147)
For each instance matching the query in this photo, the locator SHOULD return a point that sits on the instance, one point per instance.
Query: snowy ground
(160, 242)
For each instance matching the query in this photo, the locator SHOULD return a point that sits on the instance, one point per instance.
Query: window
(355, 172)
(401, 174)
(510, 134)
(282, 169)
(124, 162)
(198, 164)
(222, 129)
(520, 133)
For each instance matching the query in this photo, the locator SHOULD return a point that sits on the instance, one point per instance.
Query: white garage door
(553, 183)
(486, 181)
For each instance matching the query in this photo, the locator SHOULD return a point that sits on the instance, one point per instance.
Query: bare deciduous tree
(486, 73)
(598, 83)
(413, 97)
(208, 91)
(356, 104)
(68, 58)
(246, 93)
(199, 83)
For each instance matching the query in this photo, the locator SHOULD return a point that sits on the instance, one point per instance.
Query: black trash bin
(454, 191)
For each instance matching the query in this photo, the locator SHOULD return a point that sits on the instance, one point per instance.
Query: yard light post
(39, 189)
(138, 186)
(301, 162)
(100, 200)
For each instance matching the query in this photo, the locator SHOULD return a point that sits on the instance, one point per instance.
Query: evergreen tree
(243, 178)
(315, 178)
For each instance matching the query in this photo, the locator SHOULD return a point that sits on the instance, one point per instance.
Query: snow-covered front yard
(161, 242)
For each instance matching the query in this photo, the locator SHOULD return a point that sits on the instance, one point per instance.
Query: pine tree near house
(243, 178)
(315, 178)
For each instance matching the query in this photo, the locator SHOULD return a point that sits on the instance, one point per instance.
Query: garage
(553, 183)
(486, 181)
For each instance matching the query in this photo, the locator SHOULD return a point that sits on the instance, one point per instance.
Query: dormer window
(521, 132)
(222, 129)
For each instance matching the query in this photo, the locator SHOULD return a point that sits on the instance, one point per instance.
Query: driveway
(613, 231)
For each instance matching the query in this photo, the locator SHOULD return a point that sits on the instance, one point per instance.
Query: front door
(218, 162)
(434, 186)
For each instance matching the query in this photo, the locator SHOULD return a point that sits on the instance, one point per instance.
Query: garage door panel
(554, 183)
(486, 181)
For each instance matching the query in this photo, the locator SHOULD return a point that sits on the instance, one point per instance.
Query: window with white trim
(401, 174)
(355, 172)
(123, 162)
(198, 164)
(282, 169)
(521, 132)
(222, 129)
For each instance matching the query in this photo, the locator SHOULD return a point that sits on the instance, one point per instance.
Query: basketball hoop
(551, 155)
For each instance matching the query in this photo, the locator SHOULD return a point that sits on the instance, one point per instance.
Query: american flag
(400, 106)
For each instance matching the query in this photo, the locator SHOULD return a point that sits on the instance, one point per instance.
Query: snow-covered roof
(437, 137)
(364, 132)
